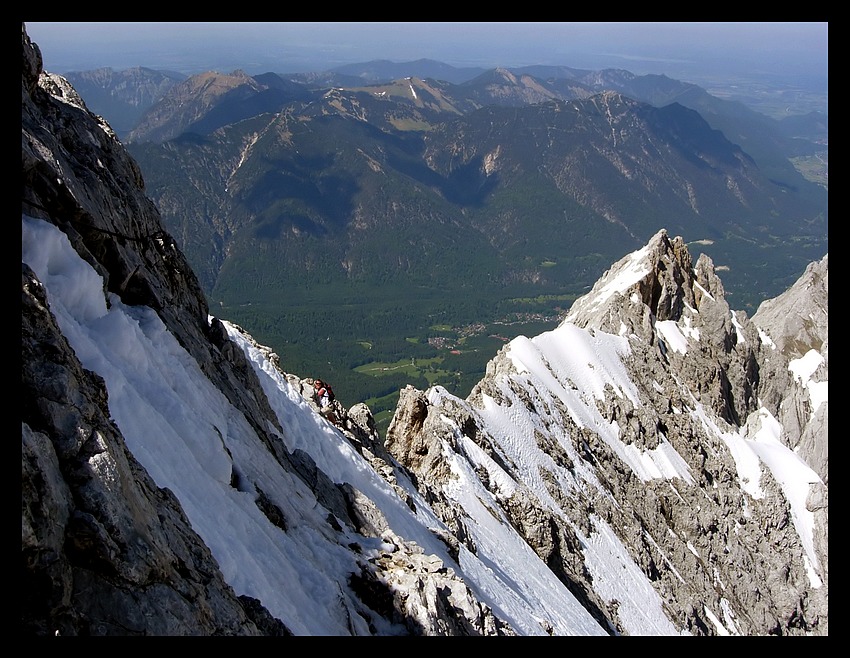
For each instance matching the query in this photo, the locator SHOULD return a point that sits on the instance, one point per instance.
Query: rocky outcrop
(100, 560)
(104, 550)
(795, 326)
(701, 373)
(794, 380)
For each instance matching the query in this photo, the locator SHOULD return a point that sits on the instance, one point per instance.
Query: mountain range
(657, 464)
(352, 220)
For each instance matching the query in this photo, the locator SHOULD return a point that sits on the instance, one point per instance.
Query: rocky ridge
(708, 529)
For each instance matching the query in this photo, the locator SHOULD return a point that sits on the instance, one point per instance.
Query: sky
(679, 49)
(177, 425)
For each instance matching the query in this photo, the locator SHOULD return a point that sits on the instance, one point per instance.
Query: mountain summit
(656, 465)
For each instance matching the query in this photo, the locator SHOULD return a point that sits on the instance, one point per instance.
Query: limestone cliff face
(706, 541)
(796, 326)
(105, 551)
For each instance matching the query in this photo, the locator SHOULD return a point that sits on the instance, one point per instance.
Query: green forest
(370, 351)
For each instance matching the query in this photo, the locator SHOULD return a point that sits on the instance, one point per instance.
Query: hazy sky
(773, 48)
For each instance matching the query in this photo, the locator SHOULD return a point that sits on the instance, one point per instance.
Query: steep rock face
(712, 545)
(105, 551)
(101, 561)
(795, 376)
(796, 329)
